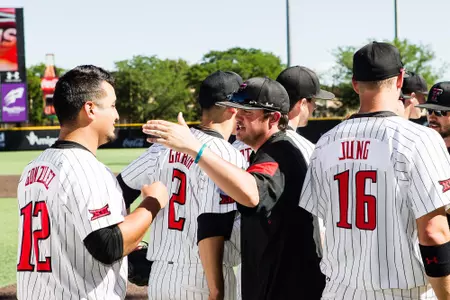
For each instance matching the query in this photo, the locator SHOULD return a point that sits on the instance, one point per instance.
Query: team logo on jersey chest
(101, 212)
(445, 185)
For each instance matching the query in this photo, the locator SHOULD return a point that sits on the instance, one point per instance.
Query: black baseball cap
(301, 82)
(414, 84)
(260, 93)
(438, 97)
(376, 61)
(218, 86)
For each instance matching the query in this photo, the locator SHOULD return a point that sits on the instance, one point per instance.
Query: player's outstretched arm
(434, 239)
(136, 224)
(235, 182)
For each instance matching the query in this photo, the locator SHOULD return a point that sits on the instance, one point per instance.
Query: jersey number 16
(366, 205)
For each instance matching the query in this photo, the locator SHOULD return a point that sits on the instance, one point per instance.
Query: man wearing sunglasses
(438, 110)
(414, 92)
(279, 259)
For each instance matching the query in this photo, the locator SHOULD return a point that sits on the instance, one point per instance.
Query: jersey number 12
(366, 205)
(30, 238)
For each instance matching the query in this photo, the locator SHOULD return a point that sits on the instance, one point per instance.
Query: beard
(444, 131)
(111, 137)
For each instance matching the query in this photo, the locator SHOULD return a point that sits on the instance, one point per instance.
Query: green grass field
(12, 163)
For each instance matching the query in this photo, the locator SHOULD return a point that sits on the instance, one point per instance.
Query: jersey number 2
(366, 205)
(180, 198)
(31, 238)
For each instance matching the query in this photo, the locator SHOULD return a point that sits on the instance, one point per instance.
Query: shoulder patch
(101, 212)
(445, 185)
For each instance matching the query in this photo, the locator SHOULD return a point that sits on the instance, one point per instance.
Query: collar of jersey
(376, 114)
(271, 139)
(61, 144)
(209, 131)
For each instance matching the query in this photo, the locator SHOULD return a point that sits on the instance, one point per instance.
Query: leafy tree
(415, 57)
(246, 62)
(148, 88)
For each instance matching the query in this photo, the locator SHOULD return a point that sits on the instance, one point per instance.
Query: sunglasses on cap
(438, 113)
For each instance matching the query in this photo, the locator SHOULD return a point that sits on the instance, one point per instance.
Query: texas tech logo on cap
(435, 92)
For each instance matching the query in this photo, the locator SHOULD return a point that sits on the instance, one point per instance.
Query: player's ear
(274, 118)
(88, 108)
(355, 86)
(400, 79)
(232, 110)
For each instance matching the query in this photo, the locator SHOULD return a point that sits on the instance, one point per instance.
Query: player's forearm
(441, 287)
(136, 224)
(235, 182)
(211, 255)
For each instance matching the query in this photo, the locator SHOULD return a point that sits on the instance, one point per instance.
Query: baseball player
(276, 235)
(303, 88)
(438, 116)
(194, 244)
(414, 92)
(73, 232)
(381, 186)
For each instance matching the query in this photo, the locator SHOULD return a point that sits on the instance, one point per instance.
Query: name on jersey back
(40, 174)
(368, 151)
(177, 157)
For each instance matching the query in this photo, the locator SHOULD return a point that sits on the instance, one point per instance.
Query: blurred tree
(149, 88)
(246, 62)
(35, 97)
(415, 57)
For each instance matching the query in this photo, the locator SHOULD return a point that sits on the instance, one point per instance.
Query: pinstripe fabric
(370, 178)
(81, 184)
(341, 292)
(179, 246)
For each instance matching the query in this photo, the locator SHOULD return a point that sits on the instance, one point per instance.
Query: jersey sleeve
(270, 182)
(429, 174)
(142, 169)
(214, 199)
(311, 191)
(94, 199)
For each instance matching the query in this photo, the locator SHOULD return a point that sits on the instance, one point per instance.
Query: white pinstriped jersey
(63, 196)
(305, 146)
(370, 178)
(173, 234)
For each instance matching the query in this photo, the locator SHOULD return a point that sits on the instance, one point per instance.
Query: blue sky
(101, 32)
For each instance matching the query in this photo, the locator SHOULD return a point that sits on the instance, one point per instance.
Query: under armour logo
(430, 261)
(13, 76)
(445, 185)
(98, 213)
(435, 92)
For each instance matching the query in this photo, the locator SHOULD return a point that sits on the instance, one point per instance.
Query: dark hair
(282, 123)
(77, 86)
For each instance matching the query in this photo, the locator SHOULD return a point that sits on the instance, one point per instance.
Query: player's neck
(81, 136)
(258, 143)
(294, 121)
(373, 102)
(224, 128)
(447, 141)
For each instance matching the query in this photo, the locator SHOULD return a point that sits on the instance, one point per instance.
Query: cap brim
(433, 106)
(324, 95)
(236, 105)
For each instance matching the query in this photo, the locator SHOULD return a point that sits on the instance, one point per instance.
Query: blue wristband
(200, 152)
